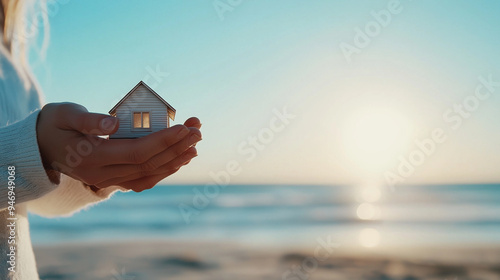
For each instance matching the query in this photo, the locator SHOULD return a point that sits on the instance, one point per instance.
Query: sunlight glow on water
(369, 238)
(367, 211)
(291, 215)
(367, 197)
(370, 194)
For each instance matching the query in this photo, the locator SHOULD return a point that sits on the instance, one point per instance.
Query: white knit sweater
(20, 102)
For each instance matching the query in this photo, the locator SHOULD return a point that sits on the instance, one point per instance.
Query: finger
(142, 184)
(168, 155)
(140, 150)
(180, 152)
(193, 122)
(166, 169)
(138, 183)
(76, 117)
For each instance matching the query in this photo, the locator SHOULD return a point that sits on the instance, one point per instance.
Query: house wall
(141, 100)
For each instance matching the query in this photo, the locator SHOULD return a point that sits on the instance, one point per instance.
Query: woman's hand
(68, 142)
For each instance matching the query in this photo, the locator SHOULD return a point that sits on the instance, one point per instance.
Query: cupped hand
(68, 140)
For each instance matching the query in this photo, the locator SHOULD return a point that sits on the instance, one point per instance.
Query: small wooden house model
(141, 112)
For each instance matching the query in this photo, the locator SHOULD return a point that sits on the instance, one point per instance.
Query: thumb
(91, 123)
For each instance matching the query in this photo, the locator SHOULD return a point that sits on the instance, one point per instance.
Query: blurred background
(366, 128)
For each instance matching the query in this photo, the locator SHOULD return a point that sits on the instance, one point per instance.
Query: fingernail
(183, 132)
(195, 138)
(108, 124)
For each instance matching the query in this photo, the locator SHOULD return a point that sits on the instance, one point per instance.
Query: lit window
(145, 120)
(141, 120)
(137, 120)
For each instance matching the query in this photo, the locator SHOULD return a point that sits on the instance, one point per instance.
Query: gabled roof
(171, 111)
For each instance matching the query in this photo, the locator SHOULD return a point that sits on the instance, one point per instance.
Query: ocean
(288, 215)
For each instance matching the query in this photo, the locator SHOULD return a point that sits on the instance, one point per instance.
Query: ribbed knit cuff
(19, 148)
(71, 196)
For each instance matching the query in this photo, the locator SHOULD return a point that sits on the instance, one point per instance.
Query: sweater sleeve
(69, 197)
(19, 148)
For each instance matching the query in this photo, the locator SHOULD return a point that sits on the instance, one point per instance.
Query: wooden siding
(141, 100)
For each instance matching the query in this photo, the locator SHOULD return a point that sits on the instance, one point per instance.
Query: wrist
(92, 187)
(54, 176)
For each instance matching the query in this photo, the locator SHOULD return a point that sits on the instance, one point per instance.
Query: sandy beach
(273, 232)
(182, 260)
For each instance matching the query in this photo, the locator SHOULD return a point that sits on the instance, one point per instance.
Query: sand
(219, 261)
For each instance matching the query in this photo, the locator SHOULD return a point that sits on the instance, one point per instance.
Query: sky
(298, 92)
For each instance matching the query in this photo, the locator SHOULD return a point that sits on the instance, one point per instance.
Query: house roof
(171, 112)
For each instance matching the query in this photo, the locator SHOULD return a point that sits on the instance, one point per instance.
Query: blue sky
(353, 119)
